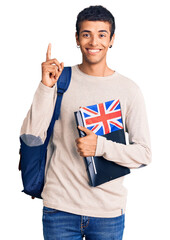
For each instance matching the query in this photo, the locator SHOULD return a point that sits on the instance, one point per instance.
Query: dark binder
(99, 169)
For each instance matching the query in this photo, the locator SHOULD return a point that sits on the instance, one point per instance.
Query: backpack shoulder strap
(62, 85)
(64, 80)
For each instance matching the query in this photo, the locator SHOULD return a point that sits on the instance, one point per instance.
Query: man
(72, 208)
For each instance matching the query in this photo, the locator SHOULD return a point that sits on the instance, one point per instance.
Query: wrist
(47, 85)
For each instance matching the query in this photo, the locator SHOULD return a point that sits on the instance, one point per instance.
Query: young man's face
(94, 40)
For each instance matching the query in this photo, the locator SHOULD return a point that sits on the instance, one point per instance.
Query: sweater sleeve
(138, 152)
(34, 128)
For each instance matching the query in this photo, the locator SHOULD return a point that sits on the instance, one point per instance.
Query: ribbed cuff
(100, 146)
(45, 88)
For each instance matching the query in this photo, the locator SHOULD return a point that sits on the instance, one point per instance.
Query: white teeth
(93, 50)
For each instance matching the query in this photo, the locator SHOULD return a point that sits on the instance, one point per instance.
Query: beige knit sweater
(66, 180)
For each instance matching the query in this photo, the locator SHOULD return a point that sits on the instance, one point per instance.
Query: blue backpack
(33, 158)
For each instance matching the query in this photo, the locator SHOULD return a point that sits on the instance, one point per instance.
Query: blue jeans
(60, 225)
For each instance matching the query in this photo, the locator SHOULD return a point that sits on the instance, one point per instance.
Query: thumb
(61, 68)
(62, 65)
(86, 130)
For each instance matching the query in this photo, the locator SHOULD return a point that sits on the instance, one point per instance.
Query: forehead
(94, 26)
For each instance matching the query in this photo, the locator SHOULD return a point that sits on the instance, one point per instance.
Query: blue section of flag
(86, 115)
(118, 107)
(100, 132)
(107, 104)
(93, 107)
(91, 127)
(120, 120)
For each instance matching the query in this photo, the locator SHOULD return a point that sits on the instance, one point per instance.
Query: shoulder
(127, 83)
(130, 92)
(129, 88)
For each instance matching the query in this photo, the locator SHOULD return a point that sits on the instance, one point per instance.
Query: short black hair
(96, 13)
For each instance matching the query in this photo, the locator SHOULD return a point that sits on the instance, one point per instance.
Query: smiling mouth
(93, 51)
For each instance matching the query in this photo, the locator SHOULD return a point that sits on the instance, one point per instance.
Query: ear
(112, 39)
(77, 40)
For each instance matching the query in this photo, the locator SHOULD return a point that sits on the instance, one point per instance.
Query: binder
(99, 169)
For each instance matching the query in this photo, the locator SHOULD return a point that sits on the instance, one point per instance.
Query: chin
(93, 61)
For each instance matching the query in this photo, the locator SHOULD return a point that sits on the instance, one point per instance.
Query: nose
(94, 41)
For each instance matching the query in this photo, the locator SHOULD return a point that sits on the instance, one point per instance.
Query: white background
(140, 51)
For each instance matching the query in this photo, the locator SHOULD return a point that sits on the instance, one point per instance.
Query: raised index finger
(48, 54)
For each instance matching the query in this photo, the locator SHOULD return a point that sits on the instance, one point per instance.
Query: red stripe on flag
(89, 110)
(117, 125)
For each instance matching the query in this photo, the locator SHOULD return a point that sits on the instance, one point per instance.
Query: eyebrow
(90, 31)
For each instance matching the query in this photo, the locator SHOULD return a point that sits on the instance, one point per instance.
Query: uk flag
(103, 118)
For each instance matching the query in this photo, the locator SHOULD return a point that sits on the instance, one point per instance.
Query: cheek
(83, 41)
(105, 43)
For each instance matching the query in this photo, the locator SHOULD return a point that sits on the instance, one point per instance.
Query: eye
(102, 35)
(86, 35)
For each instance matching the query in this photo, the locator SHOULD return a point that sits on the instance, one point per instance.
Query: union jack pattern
(103, 118)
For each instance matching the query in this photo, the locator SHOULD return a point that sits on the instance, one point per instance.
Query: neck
(99, 69)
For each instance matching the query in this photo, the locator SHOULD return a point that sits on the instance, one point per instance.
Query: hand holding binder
(93, 147)
(87, 147)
